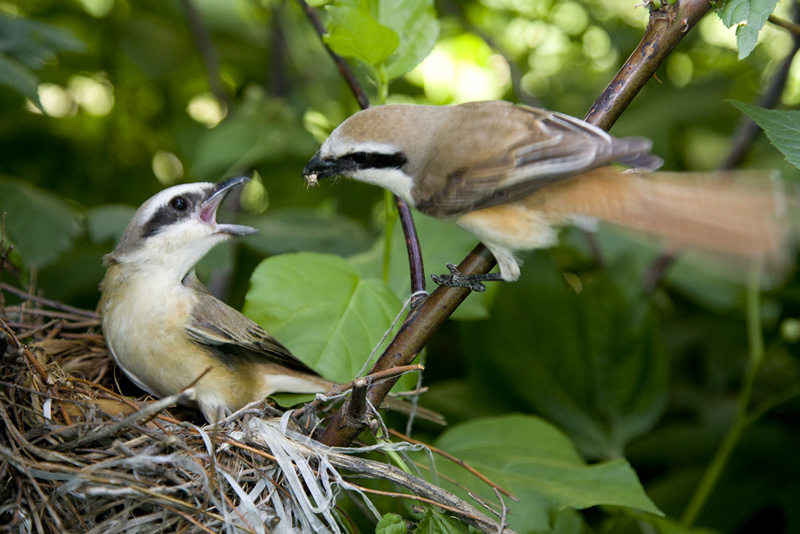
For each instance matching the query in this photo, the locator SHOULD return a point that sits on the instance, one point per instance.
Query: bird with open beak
(511, 175)
(164, 329)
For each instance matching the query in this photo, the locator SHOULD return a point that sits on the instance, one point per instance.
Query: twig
(458, 461)
(793, 27)
(341, 64)
(415, 265)
(208, 53)
(47, 302)
(151, 409)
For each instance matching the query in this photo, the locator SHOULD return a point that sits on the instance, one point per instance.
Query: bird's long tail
(741, 213)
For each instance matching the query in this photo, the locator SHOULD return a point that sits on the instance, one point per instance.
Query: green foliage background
(613, 376)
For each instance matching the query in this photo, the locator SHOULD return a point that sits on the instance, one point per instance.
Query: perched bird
(512, 174)
(164, 329)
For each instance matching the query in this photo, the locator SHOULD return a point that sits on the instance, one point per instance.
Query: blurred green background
(105, 102)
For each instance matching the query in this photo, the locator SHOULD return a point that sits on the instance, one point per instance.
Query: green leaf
(416, 24)
(536, 462)
(14, 75)
(435, 522)
(353, 32)
(27, 45)
(782, 128)
(39, 224)
(391, 524)
(34, 44)
(750, 15)
(322, 310)
(591, 361)
(297, 229)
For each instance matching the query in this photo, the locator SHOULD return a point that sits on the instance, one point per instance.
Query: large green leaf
(782, 128)
(537, 463)
(354, 32)
(393, 35)
(322, 310)
(591, 361)
(39, 224)
(416, 23)
(749, 17)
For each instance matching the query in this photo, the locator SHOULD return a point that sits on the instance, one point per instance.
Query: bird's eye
(179, 203)
(359, 158)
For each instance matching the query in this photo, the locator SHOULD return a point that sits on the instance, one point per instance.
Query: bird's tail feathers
(737, 213)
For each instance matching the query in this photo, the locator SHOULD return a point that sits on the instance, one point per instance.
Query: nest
(78, 456)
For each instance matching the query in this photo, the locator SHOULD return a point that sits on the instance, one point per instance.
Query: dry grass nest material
(77, 456)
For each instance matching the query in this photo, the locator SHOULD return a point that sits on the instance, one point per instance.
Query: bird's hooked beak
(207, 211)
(319, 168)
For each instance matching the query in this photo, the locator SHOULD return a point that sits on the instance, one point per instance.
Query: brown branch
(667, 26)
(743, 137)
(422, 322)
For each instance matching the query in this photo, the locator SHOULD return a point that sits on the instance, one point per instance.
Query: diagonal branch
(667, 26)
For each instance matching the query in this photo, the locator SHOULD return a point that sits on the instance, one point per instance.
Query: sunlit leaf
(782, 128)
(39, 224)
(536, 462)
(750, 16)
(319, 307)
(354, 32)
(417, 26)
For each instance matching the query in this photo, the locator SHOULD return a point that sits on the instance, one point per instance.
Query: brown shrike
(511, 175)
(164, 329)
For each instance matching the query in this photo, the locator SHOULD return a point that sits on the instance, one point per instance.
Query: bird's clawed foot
(456, 278)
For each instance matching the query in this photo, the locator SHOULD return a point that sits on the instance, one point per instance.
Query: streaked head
(178, 226)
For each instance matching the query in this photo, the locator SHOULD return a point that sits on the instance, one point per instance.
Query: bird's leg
(458, 279)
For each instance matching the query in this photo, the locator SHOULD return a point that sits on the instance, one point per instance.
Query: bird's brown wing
(534, 148)
(232, 336)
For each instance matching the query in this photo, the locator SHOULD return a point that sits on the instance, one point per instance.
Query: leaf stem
(390, 217)
(741, 419)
